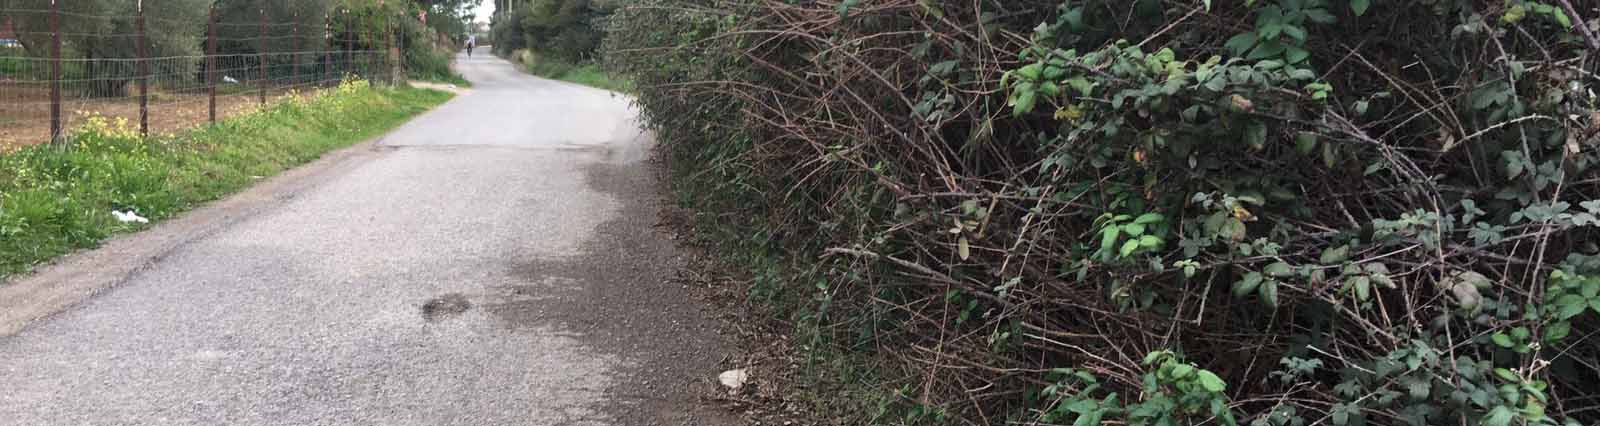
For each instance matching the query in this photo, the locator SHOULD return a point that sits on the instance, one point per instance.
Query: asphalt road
(493, 262)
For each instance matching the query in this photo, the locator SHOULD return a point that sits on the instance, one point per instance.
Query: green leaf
(1334, 255)
(1499, 416)
(1569, 305)
(1305, 142)
(1150, 241)
(1241, 43)
(1279, 269)
(1133, 229)
(1024, 103)
(1295, 32)
(1180, 371)
(1359, 7)
(1081, 406)
(1108, 239)
(1129, 247)
(1211, 382)
(1217, 83)
(1513, 167)
(1269, 293)
(1501, 340)
(1418, 389)
(1247, 285)
(1561, 18)
(1557, 331)
(1149, 218)
(1505, 374)
(1255, 134)
(1295, 55)
(1091, 418)
(1031, 71)
(963, 248)
(1082, 85)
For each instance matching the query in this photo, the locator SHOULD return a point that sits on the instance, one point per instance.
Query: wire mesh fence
(162, 77)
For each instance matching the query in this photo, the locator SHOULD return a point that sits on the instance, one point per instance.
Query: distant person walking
(472, 41)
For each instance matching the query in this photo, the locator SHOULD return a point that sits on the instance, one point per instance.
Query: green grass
(57, 199)
(588, 74)
(455, 79)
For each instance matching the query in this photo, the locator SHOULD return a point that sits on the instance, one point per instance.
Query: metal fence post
(261, 57)
(55, 72)
(294, 49)
(349, 43)
(327, 47)
(211, 62)
(144, 74)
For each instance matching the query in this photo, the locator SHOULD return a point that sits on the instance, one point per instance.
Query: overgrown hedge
(1275, 212)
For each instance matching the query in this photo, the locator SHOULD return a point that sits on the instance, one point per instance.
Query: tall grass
(56, 199)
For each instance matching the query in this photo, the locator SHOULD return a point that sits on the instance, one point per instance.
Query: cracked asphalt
(493, 262)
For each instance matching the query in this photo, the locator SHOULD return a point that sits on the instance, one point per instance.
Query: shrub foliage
(567, 30)
(1274, 212)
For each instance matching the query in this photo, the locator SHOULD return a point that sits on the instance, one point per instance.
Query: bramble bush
(1273, 212)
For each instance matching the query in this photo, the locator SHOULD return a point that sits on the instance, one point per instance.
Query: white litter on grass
(229, 80)
(126, 217)
(733, 379)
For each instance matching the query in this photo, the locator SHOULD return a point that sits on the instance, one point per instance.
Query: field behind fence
(58, 67)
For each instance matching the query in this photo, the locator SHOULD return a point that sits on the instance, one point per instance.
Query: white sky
(484, 11)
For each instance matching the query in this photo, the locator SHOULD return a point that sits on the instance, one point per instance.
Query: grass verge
(588, 74)
(56, 199)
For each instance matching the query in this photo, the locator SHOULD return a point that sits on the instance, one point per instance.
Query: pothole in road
(445, 307)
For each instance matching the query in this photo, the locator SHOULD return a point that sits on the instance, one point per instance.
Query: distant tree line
(101, 32)
(566, 30)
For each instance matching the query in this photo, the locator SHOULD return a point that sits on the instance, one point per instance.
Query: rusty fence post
(397, 72)
(55, 72)
(144, 73)
(211, 62)
(261, 57)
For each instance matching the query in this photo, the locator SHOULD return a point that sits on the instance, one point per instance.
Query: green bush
(1275, 212)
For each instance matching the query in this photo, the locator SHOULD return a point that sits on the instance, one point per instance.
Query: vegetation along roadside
(58, 198)
(560, 40)
(1269, 212)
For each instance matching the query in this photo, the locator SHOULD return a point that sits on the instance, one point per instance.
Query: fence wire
(101, 73)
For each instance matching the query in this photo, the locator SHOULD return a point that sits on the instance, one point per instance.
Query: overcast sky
(485, 10)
